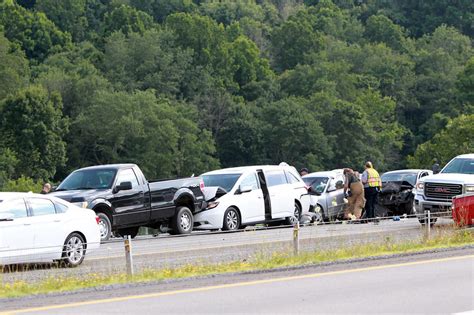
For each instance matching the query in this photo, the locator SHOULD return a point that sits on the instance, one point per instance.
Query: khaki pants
(356, 201)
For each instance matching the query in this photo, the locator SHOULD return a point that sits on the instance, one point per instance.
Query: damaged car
(237, 197)
(397, 194)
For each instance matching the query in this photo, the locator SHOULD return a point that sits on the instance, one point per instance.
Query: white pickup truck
(435, 192)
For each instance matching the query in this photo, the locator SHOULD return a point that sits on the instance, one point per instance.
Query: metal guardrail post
(428, 224)
(128, 254)
(296, 238)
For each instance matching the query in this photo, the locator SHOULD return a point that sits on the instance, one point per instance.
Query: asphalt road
(166, 251)
(439, 285)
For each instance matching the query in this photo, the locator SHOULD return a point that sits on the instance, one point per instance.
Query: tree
(290, 133)
(152, 60)
(14, 70)
(33, 31)
(127, 20)
(453, 140)
(68, 15)
(380, 29)
(465, 85)
(142, 129)
(160, 9)
(32, 126)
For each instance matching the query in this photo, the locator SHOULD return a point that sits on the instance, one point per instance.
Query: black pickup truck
(124, 200)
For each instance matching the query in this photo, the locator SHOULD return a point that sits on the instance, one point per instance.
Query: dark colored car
(124, 200)
(397, 193)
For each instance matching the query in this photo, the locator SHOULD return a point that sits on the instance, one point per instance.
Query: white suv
(435, 192)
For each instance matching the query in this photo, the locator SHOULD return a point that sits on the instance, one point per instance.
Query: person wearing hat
(372, 185)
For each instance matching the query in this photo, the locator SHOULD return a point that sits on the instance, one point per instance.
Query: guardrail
(129, 256)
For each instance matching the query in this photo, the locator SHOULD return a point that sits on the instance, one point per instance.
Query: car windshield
(317, 183)
(226, 181)
(399, 177)
(88, 179)
(460, 166)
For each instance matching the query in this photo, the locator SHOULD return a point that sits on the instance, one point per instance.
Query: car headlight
(469, 188)
(212, 205)
(82, 204)
(420, 187)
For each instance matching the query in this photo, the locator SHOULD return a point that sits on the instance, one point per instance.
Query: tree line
(182, 87)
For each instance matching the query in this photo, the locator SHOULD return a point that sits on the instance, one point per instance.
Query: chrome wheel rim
(296, 214)
(74, 249)
(103, 228)
(231, 220)
(185, 221)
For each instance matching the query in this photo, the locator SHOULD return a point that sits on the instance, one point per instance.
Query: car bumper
(209, 219)
(435, 207)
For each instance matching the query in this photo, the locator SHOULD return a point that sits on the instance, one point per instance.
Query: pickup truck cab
(124, 200)
(435, 192)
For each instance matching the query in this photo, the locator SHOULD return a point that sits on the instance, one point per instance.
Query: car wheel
(74, 250)
(410, 207)
(295, 217)
(182, 222)
(105, 227)
(231, 220)
(128, 231)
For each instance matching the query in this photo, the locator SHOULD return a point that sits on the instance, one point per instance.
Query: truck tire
(105, 226)
(182, 222)
(133, 231)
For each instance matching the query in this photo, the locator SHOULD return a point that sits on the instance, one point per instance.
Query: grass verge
(277, 260)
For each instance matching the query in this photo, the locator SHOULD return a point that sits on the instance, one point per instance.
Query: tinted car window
(127, 175)
(460, 165)
(88, 179)
(275, 178)
(250, 180)
(17, 208)
(225, 181)
(41, 206)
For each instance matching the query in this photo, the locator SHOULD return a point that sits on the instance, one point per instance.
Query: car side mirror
(339, 184)
(6, 216)
(244, 189)
(123, 186)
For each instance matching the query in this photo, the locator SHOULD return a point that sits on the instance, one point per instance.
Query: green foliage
(32, 126)
(14, 70)
(33, 31)
(182, 86)
(22, 184)
(455, 139)
(140, 128)
(127, 20)
(68, 15)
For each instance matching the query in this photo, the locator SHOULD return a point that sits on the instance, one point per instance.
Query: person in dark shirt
(46, 189)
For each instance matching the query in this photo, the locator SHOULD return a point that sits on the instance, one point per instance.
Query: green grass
(261, 262)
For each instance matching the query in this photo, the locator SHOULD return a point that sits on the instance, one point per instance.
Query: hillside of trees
(182, 86)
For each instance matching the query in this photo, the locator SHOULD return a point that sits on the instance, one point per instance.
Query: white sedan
(41, 228)
(253, 194)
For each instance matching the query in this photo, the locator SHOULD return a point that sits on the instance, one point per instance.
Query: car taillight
(97, 219)
(201, 185)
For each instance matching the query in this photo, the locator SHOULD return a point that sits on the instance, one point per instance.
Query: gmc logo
(441, 190)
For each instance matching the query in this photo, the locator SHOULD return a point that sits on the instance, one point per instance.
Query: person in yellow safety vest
(372, 185)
